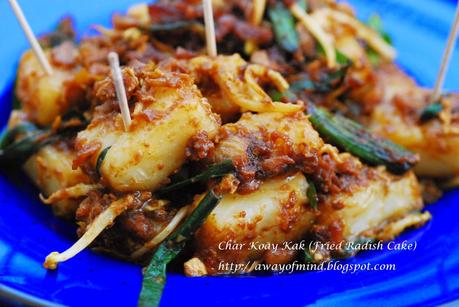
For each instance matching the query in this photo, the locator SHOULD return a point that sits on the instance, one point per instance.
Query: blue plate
(28, 231)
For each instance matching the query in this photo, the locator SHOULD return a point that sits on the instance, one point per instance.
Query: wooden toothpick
(446, 58)
(210, 28)
(119, 88)
(31, 37)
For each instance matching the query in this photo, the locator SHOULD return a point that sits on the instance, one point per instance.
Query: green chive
(100, 159)
(22, 141)
(214, 171)
(19, 151)
(355, 139)
(375, 23)
(8, 136)
(431, 111)
(167, 27)
(308, 256)
(154, 277)
(284, 27)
